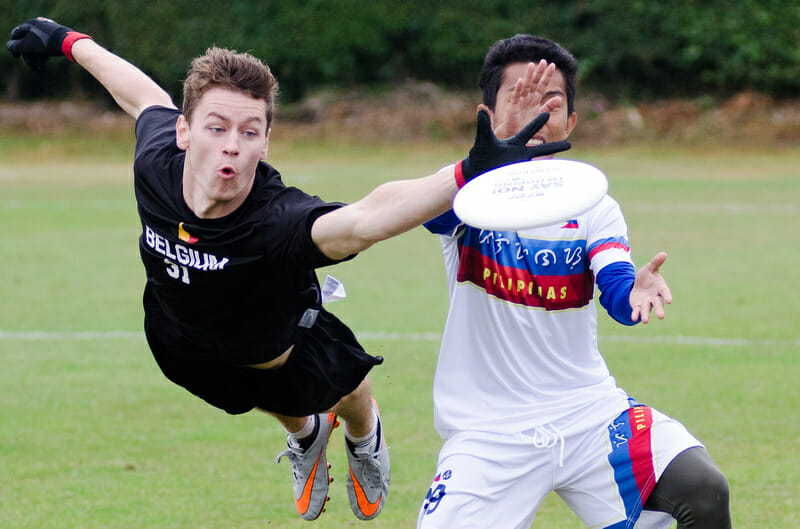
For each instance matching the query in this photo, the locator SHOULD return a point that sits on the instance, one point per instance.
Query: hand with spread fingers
(650, 291)
(489, 152)
(528, 99)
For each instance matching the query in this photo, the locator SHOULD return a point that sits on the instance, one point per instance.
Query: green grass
(92, 435)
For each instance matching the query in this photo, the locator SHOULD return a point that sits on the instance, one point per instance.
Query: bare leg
(291, 424)
(355, 410)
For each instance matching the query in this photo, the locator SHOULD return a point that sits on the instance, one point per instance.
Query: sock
(368, 443)
(305, 436)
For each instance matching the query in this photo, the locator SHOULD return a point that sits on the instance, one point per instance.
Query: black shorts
(326, 364)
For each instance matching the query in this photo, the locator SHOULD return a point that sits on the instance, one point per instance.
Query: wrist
(70, 38)
(459, 174)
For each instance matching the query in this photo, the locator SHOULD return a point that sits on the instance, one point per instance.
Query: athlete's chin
(224, 198)
(229, 188)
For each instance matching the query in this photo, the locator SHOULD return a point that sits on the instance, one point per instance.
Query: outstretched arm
(128, 85)
(389, 210)
(40, 38)
(650, 291)
(396, 207)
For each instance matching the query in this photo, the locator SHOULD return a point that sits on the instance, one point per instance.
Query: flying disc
(530, 194)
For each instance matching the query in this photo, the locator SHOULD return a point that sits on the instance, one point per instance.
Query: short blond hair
(225, 68)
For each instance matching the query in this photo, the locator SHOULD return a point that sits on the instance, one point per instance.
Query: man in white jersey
(522, 396)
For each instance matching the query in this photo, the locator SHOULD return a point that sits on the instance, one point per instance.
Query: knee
(356, 407)
(703, 500)
(709, 493)
(361, 396)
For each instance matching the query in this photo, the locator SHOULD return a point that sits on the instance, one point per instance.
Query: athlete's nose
(231, 145)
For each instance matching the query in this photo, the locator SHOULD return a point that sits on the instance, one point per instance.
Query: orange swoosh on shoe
(304, 500)
(367, 507)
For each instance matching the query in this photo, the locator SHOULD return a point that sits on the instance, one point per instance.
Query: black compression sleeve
(693, 491)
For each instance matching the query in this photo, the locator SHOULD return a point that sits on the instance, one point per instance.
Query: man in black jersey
(232, 304)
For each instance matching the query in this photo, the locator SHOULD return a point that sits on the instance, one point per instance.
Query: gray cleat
(310, 469)
(368, 477)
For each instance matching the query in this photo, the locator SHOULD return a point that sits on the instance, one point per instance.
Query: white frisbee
(530, 194)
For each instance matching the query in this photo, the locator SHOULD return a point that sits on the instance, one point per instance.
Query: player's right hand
(40, 38)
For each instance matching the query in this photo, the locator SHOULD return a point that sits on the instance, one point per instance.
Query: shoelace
(373, 476)
(293, 453)
(547, 436)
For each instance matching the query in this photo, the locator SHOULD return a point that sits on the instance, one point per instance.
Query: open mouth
(227, 171)
(536, 140)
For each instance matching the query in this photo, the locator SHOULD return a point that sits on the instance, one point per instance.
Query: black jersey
(231, 289)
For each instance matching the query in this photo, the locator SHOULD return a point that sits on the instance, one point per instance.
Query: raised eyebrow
(218, 116)
(258, 119)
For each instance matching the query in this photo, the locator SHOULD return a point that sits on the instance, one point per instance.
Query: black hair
(525, 48)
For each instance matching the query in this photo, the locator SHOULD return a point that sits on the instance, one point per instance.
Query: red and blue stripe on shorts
(631, 458)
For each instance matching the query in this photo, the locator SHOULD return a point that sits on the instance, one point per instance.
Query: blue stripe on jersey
(605, 244)
(539, 256)
(619, 433)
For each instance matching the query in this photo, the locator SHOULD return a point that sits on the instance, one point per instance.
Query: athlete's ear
(572, 120)
(266, 145)
(182, 132)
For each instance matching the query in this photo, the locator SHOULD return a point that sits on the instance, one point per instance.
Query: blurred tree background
(630, 50)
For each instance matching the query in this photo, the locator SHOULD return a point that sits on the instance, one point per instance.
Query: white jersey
(520, 344)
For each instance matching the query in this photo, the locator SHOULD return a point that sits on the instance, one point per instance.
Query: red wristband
(69, 40)
(460, 182)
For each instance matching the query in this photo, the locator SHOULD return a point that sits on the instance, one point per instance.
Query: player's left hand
(650, 291)
(39, 38)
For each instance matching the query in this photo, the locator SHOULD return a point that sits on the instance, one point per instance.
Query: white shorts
(604, 471)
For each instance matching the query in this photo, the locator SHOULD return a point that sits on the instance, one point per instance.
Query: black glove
(40, 38)
(490, 153)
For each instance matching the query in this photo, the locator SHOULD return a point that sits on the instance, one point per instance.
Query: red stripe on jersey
(640, 449)
(608, 246)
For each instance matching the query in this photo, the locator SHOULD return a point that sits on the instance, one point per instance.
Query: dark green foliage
(634, 49)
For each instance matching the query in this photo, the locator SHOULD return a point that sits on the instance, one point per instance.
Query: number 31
(176, 271)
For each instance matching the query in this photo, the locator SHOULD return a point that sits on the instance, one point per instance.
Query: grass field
(93, 436)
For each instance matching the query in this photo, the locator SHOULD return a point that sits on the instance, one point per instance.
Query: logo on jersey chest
(551, 274)
(185, 235)
(182, 255)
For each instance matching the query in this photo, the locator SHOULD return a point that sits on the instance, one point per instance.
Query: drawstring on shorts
(547, 436)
